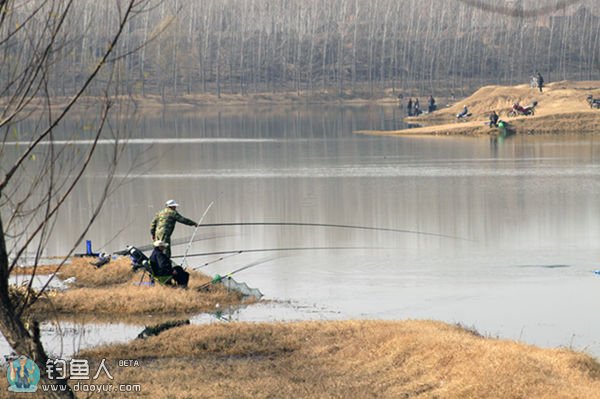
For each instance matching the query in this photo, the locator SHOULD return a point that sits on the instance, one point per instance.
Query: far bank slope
(562, 109)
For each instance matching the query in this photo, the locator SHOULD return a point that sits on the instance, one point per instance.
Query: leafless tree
(39, 173)
(278, 45)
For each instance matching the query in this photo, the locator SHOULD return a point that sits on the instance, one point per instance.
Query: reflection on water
(523, 201)
(157, 329)
(39, 281)
(64, 338)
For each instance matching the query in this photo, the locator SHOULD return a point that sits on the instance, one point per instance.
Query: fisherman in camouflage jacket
(163, 224)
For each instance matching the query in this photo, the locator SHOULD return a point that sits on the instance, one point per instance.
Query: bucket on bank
(88, 250)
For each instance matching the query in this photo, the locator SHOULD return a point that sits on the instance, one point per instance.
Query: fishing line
(239, 251)
(339, 226)
(216, 260)
(177, 241)
(228, 275)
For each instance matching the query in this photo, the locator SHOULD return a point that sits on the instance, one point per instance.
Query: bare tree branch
(73, 100)
(520, 13)
(39, 179)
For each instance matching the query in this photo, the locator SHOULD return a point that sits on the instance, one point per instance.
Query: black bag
(138, 259)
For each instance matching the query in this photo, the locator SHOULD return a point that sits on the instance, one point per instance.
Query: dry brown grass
(117, 271)
(125, 300)
(113, 290)
(562, 108)
(350, 359)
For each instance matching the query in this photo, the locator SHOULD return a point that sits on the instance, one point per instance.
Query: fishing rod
(216, 260)
(195, 230)
(177, 241)
(180, 241)
(239, 251)
(339, 226)
(219, 278)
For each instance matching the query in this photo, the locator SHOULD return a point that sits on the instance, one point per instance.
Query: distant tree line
(342, 46)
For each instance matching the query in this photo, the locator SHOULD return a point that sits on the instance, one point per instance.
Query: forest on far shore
(344, 47)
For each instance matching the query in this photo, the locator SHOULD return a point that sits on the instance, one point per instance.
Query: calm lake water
(524, 211)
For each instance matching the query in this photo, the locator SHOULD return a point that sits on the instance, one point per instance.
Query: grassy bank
(349, 359)
(133, 300)
(562, 108)
(113, 290)
(117, 271)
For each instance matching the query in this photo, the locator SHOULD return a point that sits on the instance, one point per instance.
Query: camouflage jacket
(163, 224)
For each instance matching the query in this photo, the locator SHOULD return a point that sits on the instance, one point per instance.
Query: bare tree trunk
(298, 56)
(205, 54)
(191, 45)
(312, 49)
(324, 69)
(219, 37)
(395, 65)
(384, 50)
(355, 43)
(143, 55)
(245, 12)
(20, 339)
(175, 56)
(28, 79)
(340, 60)
(257, 74)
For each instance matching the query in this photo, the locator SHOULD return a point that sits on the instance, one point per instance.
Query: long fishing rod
(177, 241)
(185, 240)
(194, 233)
(218, 278)
(339, 226)
(216, 260)
(239, 251)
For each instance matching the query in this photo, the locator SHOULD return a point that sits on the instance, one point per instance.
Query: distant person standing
(409, 107)
(417, 107)
(493, 119)
(431, 104)
(540, 81)
(163, 224)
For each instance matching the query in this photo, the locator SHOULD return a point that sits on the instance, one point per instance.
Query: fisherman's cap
(171, 203)
(160, 243)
